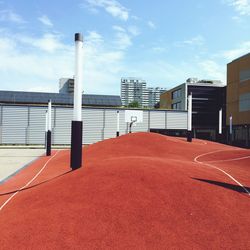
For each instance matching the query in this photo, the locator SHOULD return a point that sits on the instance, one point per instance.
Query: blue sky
(163, 42)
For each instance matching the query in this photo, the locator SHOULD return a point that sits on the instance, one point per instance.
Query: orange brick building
(238, 99)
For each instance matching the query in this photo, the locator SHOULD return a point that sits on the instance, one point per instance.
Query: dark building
(209, 97)
(21, 97)
(207, 101)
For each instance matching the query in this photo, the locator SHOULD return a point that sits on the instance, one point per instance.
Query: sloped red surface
(139, 191)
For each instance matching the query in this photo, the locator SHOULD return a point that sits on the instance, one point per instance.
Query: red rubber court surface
(138, 191)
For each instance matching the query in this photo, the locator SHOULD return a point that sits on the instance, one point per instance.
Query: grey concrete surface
(13, 159)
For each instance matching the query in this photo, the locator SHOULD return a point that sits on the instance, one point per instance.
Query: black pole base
(76, 145)
(117, 133)
(45, 140)
(189, 136)
(220, 138)
(48, 143)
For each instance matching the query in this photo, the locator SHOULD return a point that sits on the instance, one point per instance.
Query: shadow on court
(236, 188)
(38, 184)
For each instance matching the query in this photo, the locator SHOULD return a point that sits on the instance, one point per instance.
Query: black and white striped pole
(118, 124)
(76, 126)
(231, 129)
(189, 131)
(220, 125)
(48, 141)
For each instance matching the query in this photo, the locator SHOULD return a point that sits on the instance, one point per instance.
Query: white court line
(28, 183)
(224, 172)
(233, 159)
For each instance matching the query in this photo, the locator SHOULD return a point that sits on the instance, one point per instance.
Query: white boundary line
(28, 183)
(224, 172)
(233, 159)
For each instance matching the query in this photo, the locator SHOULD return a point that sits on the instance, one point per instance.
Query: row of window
(176, 94)
(176, 106)
(244, 75)
(244, 102)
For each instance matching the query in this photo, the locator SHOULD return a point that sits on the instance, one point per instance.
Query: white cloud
(197, 40)
(151, 25)
(118, 28)
(112, 7)
(194, 41)
(48, 42)
(240, 6)
(122, 38)
(133, 30)
(36, 63)
(232, 54)
(45, 20)
(159, 49)
(213, 70)
(10, 16)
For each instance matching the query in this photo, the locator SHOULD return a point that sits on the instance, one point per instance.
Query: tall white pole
(220, 121)
(189, 132)
(49, 115)
(77, 116)
(76, 128)
(48, 141)
(118, 124)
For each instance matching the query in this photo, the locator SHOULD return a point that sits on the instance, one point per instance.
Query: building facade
(135, 90)
(153, 96)
(66, 86)
(238, 99)
(209, 96)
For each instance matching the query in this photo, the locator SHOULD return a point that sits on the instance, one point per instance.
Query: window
(244, 75)
(176, 106)
(176, 94)
(244, 102)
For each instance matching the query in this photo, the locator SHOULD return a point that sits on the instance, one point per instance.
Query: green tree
(134, 104)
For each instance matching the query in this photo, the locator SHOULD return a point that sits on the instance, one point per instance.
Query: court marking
(233, 159)
(219, 169)
(28, 183)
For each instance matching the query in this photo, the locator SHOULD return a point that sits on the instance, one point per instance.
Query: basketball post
(48, 141)
(76, 125)
(118, 124)
(133, 120)
(189, 131)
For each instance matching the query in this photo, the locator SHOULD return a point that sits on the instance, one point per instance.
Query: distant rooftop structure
(66, 86)
(21, 97)
(204, 82)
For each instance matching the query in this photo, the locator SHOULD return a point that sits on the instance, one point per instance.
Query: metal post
(231, 129)
(189, 131)
(220, 126)
(76, 126)
(118, 124)
(46, 128)
(247, 136)
(48, 141)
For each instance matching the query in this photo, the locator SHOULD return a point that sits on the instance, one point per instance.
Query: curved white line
(28, 183)
(224, 172)
(233, 159)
